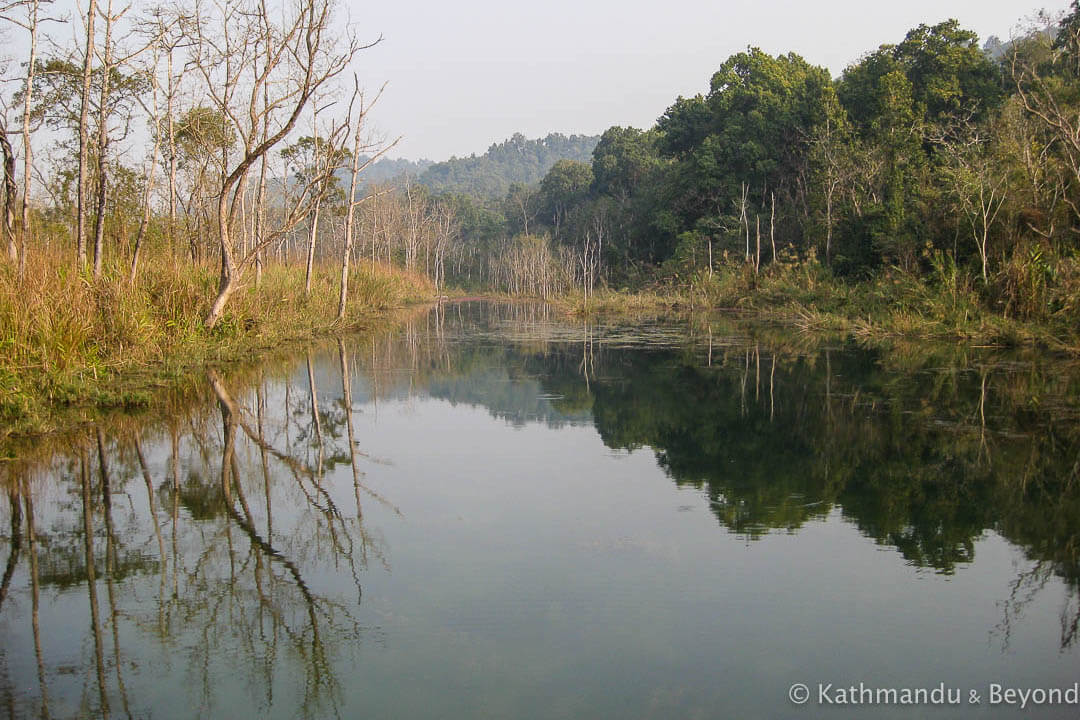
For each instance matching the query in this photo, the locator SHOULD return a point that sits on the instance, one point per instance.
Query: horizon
(565, 77)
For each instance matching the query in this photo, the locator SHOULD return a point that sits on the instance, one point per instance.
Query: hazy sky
(465, 73)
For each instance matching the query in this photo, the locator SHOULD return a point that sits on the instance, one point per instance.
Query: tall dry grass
(66, 338)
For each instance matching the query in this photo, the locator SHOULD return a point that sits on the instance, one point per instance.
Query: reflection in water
(235, 591)
(231, 540)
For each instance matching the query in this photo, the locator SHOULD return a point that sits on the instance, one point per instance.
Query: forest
(184, 185)
(489, 176)
(935, 178)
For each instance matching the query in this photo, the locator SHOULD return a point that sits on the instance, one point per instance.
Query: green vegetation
(931, 190)
(809, 296)
(516, 160)
(72, 343)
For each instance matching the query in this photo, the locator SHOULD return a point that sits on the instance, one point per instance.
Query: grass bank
(1017, 307)
(72, 345)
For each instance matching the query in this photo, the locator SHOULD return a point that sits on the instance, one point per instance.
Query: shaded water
(495, 512)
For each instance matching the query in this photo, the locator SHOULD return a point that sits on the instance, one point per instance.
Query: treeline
(227, 135)
(933, 158)
(209, 136)
(488, 176)
(515, 160)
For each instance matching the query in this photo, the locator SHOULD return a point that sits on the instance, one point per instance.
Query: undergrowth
(69, 340)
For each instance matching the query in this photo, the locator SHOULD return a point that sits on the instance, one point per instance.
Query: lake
(494, 511)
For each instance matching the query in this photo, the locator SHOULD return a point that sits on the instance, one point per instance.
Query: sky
(462, 74)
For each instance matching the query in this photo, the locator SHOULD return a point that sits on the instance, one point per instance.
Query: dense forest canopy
(488, 176)
(932, 156)
(516, 160)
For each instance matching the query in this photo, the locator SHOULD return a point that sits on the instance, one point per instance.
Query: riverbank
(71, 346)
(892, 305)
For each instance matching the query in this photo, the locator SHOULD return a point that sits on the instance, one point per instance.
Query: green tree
(745, 146)
(566, 185)
(898, 97)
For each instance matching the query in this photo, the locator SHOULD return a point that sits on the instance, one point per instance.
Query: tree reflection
(207, 514)
(924, 449)
(230, 544)
(14, 543)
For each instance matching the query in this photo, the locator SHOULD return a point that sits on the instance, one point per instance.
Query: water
(542, 518)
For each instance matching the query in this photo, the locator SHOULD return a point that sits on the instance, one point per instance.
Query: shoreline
(63, 398)
(77, 349)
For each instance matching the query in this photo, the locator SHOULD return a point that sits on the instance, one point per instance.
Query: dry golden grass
(66, 338)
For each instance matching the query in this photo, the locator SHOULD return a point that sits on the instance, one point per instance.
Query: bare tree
(325, 160)
(979, 182)
(741, 204)
(322, 154)
(277, 66)
(103, 138)
(10, 190)
(31, 24)
(148, 180)
(84, 135)
(169, 39)
(1045, 102)
(351, 202)
(825, 148)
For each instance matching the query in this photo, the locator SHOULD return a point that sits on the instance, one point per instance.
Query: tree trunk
(260, 216)
(346, 252)
(311, 247)
(772, 227)
(28, 163)
(10, 191)
(103, 147)
(84, 137)
(828, 226)
(757, 256)
(145, 222)
(229, 277)
(745, 219)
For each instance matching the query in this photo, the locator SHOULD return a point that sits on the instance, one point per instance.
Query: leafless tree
(153, 111)
(103, 137)
(7, 223)
(31, 23)
(355, 169)
(258, 63)
(84, 134)
(1057, 114)
(979, 182)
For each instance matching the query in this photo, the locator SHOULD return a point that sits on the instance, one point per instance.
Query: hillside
(516, 160)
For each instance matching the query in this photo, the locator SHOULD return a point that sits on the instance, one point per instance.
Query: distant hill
(515, 160)
(390, 169)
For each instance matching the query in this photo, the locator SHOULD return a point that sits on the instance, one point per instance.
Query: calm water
(492, 512)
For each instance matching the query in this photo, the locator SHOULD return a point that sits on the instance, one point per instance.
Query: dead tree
(154, 112)
(10, 191)
(743, 217)
(257, 62)
(84, 135)
(351, 202)
(103, 139)
(31, 24)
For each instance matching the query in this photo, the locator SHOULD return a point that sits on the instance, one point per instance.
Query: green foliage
(66, 339)
(58, 88)
(623, 161)
(516, 160)
(567, 184)
(200, 132)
